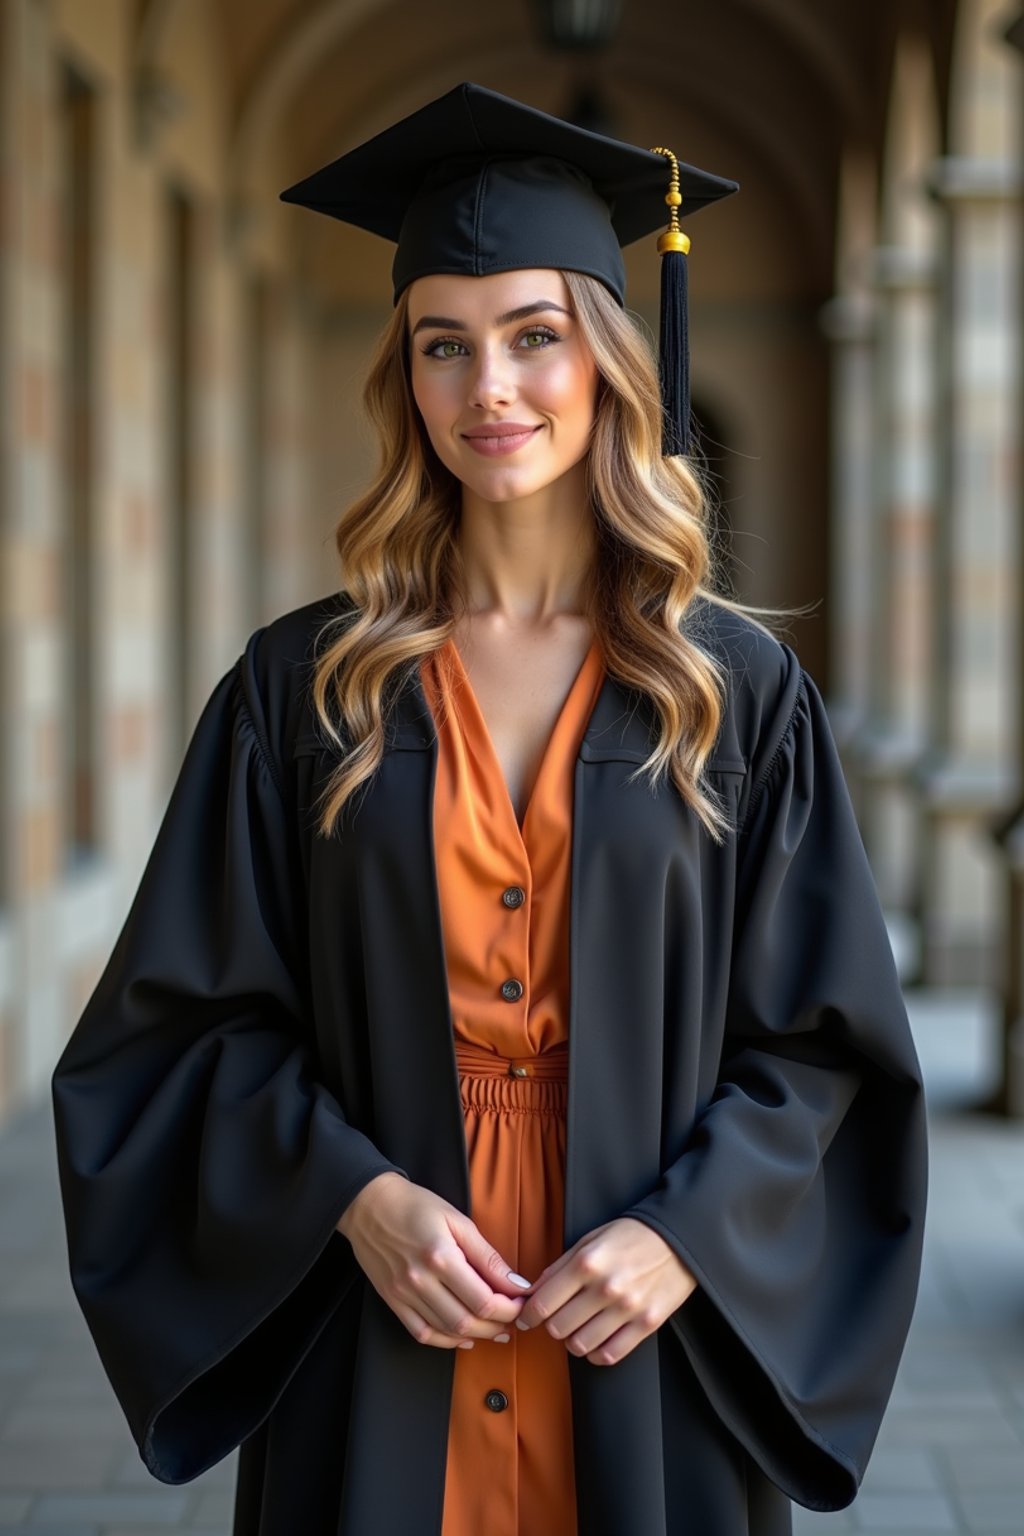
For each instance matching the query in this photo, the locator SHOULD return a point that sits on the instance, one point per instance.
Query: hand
(611, 1290)
(430, 1263)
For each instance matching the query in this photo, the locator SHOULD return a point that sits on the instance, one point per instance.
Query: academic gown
(273, 1029)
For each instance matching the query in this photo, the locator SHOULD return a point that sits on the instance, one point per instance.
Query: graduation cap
(476, 182)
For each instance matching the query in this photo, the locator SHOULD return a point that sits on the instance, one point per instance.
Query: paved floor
(950, 1457)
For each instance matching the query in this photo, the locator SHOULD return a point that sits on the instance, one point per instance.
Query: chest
(520, 688)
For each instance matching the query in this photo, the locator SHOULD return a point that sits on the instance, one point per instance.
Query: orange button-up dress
(504, 892)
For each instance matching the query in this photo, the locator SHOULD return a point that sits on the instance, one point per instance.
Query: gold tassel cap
(673, 238)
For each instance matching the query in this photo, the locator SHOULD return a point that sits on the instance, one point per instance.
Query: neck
(526, 561)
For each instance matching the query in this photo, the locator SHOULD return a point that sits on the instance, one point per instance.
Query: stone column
(295, 567)
(967, 777)
(1010, 835)
(216, 609)
(848, 322)
(32, 427)
(901, 271)
(894, 736)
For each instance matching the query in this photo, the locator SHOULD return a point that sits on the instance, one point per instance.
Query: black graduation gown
(273, 1029)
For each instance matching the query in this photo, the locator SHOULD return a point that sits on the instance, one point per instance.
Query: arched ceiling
(769, 91)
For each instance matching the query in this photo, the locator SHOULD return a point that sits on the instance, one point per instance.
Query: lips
(502, 429)
(500, 437)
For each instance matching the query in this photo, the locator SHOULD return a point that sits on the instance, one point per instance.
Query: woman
(499, 1112)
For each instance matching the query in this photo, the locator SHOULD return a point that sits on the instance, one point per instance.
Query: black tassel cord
(674, 355)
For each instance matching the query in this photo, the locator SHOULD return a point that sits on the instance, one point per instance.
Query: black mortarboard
(476, 182)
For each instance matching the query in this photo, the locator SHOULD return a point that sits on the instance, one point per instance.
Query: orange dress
(504, 893)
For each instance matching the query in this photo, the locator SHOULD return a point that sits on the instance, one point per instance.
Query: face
(502, 377)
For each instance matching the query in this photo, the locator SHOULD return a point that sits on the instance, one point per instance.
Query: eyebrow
(445, 323)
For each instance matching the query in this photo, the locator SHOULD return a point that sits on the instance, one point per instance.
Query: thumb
(488, 1262)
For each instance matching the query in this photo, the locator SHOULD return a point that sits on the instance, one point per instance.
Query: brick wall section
(57, 924)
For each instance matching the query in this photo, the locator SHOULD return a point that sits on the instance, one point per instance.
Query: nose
(490, 383)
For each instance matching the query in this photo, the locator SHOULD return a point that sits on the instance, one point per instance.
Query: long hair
(398, 549)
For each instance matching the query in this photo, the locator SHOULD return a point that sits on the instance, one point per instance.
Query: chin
(507, 489)
(510, 483)
(500, 483)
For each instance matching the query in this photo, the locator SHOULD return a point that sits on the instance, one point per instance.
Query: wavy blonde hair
(399, 553)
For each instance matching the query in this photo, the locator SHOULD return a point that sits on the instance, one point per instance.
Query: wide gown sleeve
(798, 1202)
(202, 1164)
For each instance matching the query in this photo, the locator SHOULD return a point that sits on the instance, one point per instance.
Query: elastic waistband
(477, 1061)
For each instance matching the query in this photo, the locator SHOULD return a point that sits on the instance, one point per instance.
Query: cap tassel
(674, 341)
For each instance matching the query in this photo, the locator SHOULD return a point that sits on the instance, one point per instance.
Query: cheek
(431, 397)
(568, 389)
(421, 395)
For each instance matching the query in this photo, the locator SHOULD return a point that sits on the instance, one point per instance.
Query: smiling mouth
(496, 445)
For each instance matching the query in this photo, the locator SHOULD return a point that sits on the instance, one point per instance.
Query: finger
(580, 1310)
(454, 1300)
(424, 1332)
(486, 1261)
(459, 1270)
(551, 1295)
(622, 1302)
(619, 1344)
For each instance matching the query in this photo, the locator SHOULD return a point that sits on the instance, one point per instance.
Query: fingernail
(502, 1338)
(466, 1344)
(518, 1280)
(520, 1324)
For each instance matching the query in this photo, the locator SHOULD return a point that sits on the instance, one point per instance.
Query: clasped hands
(449, 1286)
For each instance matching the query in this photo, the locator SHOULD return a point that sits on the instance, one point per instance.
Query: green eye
(443, 348)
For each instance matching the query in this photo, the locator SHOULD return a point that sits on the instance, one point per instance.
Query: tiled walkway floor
(950, 1457)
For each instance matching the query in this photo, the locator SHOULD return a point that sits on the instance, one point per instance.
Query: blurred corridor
(181, 360)
(182, 356)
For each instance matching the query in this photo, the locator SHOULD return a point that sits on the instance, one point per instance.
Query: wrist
(358, 1201)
